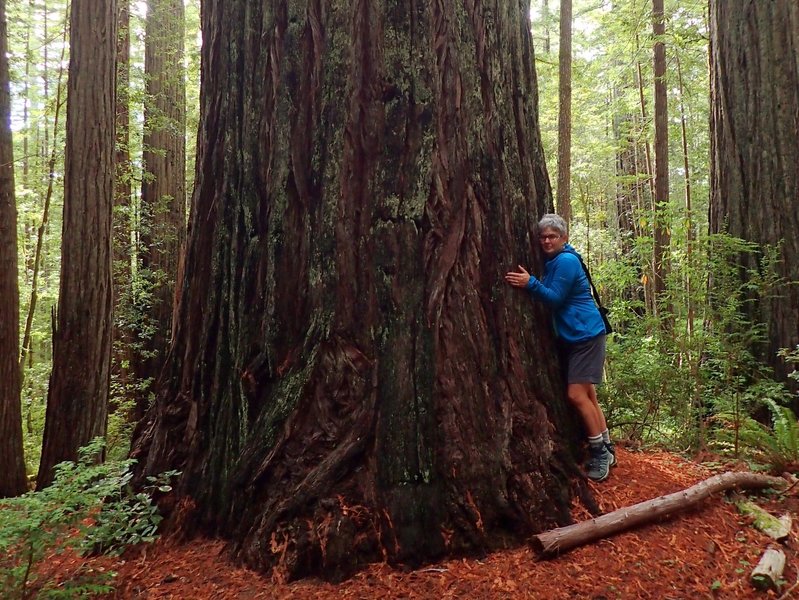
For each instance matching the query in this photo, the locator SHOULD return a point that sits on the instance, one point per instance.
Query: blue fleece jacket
(565, 289)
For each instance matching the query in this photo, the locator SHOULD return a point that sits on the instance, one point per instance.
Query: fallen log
(766, 575)
(762, 520)
(557, 541)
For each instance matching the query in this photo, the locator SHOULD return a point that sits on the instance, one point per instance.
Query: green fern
(776, 447)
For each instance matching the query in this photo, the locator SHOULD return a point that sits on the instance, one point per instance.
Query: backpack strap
(602, 310)
(590, 281)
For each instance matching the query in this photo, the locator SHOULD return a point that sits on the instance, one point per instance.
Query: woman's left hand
(520, 279)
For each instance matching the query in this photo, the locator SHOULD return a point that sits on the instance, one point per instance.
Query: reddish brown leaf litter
(706, 553)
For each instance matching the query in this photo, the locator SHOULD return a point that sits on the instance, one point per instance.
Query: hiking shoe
(612, 450)
(599, 465)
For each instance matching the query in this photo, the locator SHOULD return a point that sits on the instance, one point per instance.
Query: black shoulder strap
(590, 282)
(603, 312)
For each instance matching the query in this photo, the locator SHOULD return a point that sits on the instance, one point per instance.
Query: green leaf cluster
(90, 508)
(690, 380)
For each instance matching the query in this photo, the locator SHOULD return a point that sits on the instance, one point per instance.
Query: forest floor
(708, 552)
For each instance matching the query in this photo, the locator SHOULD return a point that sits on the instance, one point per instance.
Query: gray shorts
(585, 360)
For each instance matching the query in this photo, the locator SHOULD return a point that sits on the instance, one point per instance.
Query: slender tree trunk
(648, 278)
(27, 342)
(689, 218)
(640, 182)
(644, 121)
(350, 377)
(692, 354)
(46, 73)
(661, 197)
(12, 475)
(163, 201)
(545, 16)
(565, 111)
(78, 393)
(626, 168)
(122, 205)
(26, 97)
(755, 149)
(627, 202)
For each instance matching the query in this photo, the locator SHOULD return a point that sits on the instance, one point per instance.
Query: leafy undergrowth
(706, 553)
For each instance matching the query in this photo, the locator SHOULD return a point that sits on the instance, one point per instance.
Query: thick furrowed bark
(12, 481)
(755, 151)
(351, 380)
(78, 392)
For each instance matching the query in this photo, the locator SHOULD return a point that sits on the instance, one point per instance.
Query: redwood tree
(12, 474)
(122, 207)
(78, 394)
(661, 173)
(351, 379)
(755, 147)
(163, 198)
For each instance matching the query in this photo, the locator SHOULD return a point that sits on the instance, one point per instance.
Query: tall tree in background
(12, 474)
(755, 147)
(38, 264)
(565, 111)
(163, 198)
(545, 18)
(350, 377)
(628, 187)
(78, 394)
(122, 196)
(661, 172)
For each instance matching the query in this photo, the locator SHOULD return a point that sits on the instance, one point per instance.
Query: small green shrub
(645, 397)
(89, 508)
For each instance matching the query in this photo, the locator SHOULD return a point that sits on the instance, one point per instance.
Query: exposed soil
(706, 553)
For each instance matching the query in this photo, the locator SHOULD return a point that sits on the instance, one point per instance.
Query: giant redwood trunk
(351, 379)
(78, 394)
(755, 147)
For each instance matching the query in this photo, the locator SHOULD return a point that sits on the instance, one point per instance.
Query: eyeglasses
(549, 237)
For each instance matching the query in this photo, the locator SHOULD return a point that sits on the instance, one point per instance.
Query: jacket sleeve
(565, 273)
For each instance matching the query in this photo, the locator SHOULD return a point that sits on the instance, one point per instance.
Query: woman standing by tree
(581, 330)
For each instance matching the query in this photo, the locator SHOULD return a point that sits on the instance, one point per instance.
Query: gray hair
(550, 221)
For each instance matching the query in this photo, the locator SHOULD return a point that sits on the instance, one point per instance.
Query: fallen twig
(789, 591)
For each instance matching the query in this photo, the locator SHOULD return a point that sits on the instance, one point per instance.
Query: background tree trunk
(565, 111)
(122, 205)
(27, 339)
(351, 379)
(661, 198)
(649, 282)
(13, 481)
(78, 394)
(689, 217)
(163, 198)
(626, 207)
(545, 18)
(755, 148)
